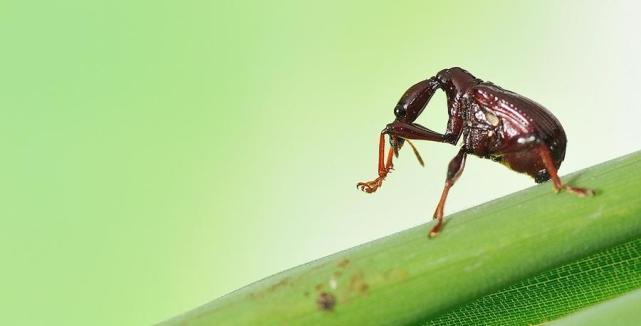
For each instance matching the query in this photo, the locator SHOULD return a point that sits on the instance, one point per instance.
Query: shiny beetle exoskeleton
(495, 123)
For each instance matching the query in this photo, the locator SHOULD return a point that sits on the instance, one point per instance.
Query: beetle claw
(370, 186)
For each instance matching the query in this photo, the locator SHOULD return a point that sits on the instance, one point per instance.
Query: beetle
(495, 124)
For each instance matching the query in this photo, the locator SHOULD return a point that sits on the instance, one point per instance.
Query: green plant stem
(407, 278)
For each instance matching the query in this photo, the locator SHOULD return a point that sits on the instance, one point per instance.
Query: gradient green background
(159, 154)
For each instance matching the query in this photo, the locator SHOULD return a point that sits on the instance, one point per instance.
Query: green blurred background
(159, 154)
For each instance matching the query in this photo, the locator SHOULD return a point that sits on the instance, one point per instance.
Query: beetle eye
(399, 111)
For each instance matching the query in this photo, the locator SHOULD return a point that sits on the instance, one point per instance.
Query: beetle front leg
(383, 168)
(402, 130)
(546, 156)
(454, 171)
(416, 131)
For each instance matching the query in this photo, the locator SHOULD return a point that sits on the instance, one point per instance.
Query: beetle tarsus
(370, 186)
(384, 168)
(579, 192)
(556, 181)
(435, 230)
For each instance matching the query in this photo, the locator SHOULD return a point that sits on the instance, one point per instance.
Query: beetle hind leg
(546, 156)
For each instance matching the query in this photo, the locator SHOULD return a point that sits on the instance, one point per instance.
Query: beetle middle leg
(454, 171)
(546, 156)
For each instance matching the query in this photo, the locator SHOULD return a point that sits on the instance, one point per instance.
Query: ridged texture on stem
(623, 310)
(557, 292)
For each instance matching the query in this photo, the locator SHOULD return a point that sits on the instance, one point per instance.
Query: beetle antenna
(418, 156)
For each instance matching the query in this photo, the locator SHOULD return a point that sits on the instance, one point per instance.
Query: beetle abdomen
(524, 125)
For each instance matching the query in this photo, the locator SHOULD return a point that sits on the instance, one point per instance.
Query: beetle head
(396, 143)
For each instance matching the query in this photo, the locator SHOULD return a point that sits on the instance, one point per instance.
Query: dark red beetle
(495, 123)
